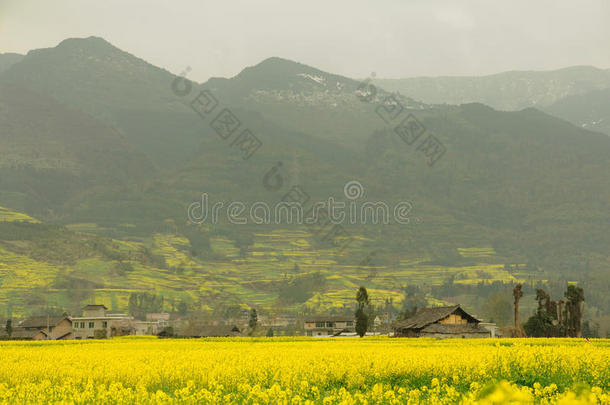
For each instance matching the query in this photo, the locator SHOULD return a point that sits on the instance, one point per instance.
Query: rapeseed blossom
(306, 371)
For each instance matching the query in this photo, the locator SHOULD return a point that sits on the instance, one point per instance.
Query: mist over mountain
(9, 59)
(574, 93)
(513, 90)
(97, 140)
(114, 86)
(51, 153)
(589, 110)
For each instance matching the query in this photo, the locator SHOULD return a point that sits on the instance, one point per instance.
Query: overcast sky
(394, 38)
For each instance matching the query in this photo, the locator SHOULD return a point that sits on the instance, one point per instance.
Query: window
(91, 325)
(319, 324)
(329, 324)
(350, 323)
(75, 325)
(104, 324)
(82, 325)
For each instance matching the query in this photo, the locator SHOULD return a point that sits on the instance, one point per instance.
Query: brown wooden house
(45, 327)
(441, 322)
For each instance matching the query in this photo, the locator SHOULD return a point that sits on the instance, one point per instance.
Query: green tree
(253, 320)
(498, 309)
(575, 296)
(540, 325)
(167, 332)
(182, 308)
(9, 327)
(133, 303)
(362, 320)
(414, 298)
(100, 334)
(590, 329)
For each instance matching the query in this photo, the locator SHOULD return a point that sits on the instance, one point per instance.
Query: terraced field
(249, 276)
(7, 215)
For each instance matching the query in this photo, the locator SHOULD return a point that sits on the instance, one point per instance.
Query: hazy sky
(394, 38)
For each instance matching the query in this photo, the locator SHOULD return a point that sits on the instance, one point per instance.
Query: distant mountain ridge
(589, 110)
(9, 59)
(512, 90)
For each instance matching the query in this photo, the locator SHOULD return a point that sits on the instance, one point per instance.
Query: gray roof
(454, 329)
(41, 321)
(20, 333)
(330, 318)
(95, 306)
(426, 316)
(214, 331)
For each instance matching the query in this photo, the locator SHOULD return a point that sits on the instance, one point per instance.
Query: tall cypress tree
(362, 320)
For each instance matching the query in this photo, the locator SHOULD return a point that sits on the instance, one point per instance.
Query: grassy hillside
(52, 155)
(48, 266)
(118, 88)
(590, 110)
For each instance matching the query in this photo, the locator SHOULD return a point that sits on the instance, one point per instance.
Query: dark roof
(64, 335)
(95, 306)
(454, 329)
(214, 331)
(21, 333)
(41, 321)
(330, 318)
(426, 316)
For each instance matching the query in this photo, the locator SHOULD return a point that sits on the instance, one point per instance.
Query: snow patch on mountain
(318, 79)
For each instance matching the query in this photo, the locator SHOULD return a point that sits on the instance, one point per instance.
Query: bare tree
(573, 321)
(518, 293)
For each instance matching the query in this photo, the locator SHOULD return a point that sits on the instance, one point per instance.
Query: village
(97, 322)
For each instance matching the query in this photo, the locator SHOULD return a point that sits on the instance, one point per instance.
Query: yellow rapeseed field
(302, 370)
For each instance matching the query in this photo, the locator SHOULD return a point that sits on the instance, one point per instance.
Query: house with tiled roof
(43, 328)
(441, 322)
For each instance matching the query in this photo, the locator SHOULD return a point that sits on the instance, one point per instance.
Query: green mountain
(99, 142)
(301, 98)
(9, 59)
(589, 110)
(53, 155)
(504, 91)
(116, 87)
